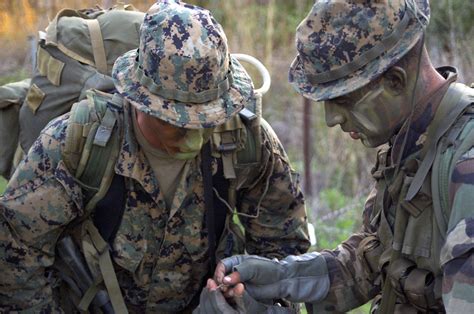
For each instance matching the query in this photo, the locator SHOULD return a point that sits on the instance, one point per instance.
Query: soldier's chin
(370, 142)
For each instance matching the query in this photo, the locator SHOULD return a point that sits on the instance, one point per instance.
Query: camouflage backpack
(11, 97)
(75, 53)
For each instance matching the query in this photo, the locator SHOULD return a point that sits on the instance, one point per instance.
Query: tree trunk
(107, 4)
(307, 147)
(269, 35)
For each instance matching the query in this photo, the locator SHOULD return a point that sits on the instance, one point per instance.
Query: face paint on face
(177, 142)
(190, 145)
(373, 119)
(379, 114)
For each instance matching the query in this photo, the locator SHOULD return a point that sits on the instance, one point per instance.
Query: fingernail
(227, 279)
(231, 293)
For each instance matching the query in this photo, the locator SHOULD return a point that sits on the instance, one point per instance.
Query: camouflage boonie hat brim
(182, 72)
(344, 45)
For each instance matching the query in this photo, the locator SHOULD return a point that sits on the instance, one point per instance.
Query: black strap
(109, 210)
(221, 185)
(206, 170)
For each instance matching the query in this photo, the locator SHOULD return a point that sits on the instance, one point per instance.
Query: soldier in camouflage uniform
(160, 251)
(414, 254)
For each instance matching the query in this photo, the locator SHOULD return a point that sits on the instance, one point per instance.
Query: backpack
(75, 53)
(11, 97)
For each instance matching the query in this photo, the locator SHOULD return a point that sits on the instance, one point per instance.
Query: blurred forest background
(338, 177)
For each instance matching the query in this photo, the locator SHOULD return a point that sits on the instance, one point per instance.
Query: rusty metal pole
(307, 146)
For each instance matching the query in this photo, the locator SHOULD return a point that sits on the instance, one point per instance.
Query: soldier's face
(372, 115)
(178, 142)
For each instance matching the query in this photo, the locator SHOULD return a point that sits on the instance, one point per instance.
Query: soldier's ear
(395, 80)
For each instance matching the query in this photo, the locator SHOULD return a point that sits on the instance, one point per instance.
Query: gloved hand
(301, 278)
(213, 302)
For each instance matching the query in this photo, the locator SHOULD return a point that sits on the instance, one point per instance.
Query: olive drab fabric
(76, 53)
(184, 76)
(343, 45)
(11, 97)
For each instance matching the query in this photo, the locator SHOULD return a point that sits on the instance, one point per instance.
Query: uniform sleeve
(352, 268)
(273, 208)
(457, 254)
(41, 198)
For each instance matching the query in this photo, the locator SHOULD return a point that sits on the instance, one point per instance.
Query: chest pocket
(419, 229)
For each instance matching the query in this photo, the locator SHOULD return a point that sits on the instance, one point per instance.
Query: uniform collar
(417, 136)
(132, 162)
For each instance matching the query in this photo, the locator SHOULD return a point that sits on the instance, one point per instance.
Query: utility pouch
(419, 289)
(398, 272)
(369, 253)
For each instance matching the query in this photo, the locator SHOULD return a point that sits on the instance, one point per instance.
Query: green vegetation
(15, 76)
(3, 184)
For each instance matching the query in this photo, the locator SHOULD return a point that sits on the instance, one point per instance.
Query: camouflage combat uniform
(343, 46)
(357, 266)
(160, 254)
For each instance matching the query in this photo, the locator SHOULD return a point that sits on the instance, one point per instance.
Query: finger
(230, 293)
(234, 291)
(211, 284)
(230, 262)
(219, 273)
(239, 290)
(231, 279)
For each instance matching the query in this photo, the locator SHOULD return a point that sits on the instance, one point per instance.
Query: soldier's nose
(332, 115)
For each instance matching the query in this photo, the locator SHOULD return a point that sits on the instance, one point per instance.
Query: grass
(14, 76)
(3, 184)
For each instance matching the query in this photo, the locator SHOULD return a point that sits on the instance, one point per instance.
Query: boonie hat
(345, 44)
(182, 72)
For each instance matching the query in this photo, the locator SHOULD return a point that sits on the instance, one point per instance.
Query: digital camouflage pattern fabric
(160, 254)
(340, 45)
(182, 72)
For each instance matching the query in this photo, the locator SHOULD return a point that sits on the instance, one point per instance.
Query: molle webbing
(91, 150)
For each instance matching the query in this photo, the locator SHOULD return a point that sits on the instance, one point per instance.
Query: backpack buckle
(227, 147)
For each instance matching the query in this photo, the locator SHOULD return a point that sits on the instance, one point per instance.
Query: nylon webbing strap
(107, 269)
(384, 45)
(88, 297)
(98, 48)
(445, 116)
(206, 170)
(183, 96)
(389, 296)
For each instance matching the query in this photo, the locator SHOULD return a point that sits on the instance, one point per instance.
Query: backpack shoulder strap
(450, 108)
(92, 143)
(457, 141)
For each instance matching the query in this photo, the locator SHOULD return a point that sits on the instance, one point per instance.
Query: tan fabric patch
(35, 97)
